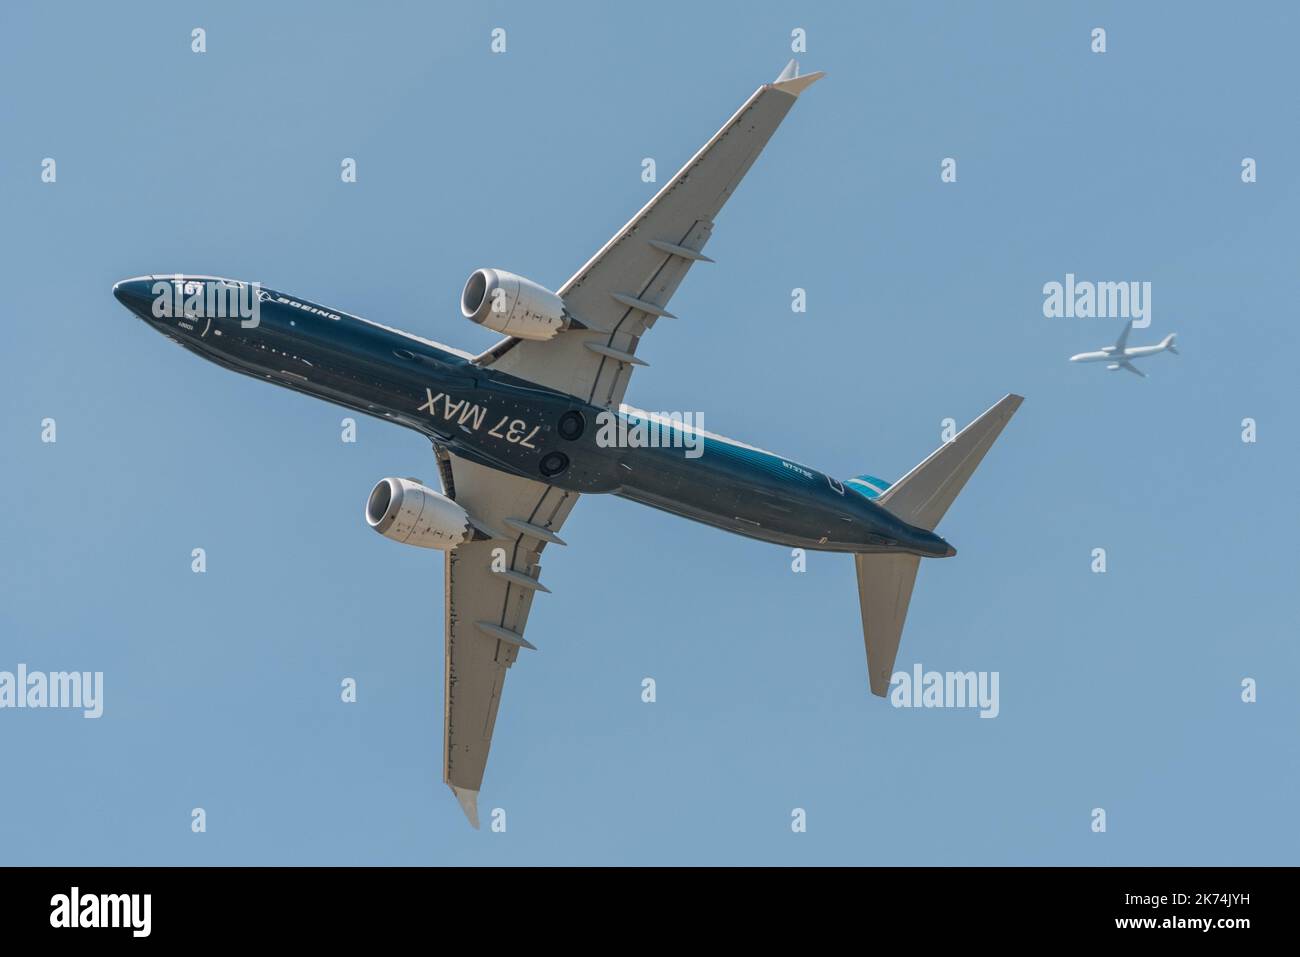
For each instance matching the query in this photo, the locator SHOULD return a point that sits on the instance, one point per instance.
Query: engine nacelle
(513, 305)
(412, 514)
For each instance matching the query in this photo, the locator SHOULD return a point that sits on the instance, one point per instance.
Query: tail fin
(920, 498)
(923, 495)
(1169, 344)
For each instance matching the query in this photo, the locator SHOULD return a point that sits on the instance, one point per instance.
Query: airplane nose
(133, 293)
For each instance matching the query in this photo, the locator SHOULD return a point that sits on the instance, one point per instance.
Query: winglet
(468, 803)
(791, 82)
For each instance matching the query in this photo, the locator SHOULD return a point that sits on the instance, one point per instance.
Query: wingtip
(468, 803)
(790, 81)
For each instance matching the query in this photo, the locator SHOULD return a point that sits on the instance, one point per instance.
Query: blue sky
(1118, 690)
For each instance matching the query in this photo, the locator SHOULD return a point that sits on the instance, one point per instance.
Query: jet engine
(410, 513)
(513, 305)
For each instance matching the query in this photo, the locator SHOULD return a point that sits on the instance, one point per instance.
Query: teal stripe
(763, 461)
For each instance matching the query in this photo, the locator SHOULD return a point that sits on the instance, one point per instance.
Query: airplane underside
(516, 431)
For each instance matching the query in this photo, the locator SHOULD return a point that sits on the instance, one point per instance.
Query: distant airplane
(1119, 354)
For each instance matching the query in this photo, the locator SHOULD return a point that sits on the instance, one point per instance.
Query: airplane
(1119, 354)
(513, 429)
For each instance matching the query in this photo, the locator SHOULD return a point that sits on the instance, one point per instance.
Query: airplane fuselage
(1115, 355)
(525, 429)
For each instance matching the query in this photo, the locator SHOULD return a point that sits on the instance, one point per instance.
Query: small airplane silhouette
(1119, 355)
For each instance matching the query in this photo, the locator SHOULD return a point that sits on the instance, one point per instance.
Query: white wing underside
(487, 610)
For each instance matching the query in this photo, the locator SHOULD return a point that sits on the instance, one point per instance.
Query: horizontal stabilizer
(922, 496)
(884, 592)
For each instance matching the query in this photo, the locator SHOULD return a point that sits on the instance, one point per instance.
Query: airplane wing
(487, 609)
(1122, 342)
(1125, 364)
(626, 286)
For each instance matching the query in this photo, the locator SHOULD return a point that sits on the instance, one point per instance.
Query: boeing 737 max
(514, 430)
